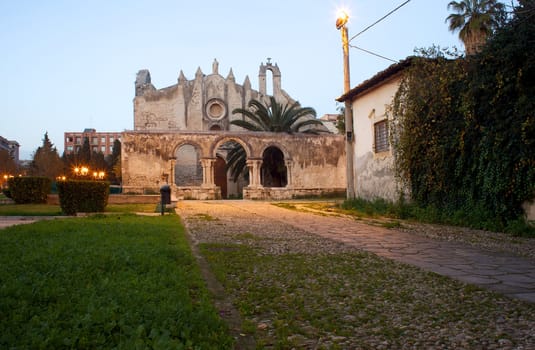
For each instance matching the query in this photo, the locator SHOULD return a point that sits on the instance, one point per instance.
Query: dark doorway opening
(220, 175)
(273, 172)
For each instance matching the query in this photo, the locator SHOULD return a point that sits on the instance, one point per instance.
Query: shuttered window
(381, 136)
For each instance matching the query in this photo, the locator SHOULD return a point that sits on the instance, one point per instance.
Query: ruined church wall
(316, 161)
(160, 109)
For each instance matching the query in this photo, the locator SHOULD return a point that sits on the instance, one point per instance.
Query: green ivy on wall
(464, 137)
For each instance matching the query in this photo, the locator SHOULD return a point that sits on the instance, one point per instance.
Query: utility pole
(348, 117)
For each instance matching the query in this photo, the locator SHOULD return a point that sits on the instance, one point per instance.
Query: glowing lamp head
(341, 19)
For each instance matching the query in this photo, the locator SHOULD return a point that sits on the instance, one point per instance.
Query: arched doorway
(188, 169)
(220, 175)
(230, 165)
(273, 172)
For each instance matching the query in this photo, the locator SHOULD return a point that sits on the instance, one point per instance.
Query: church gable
(202, 104)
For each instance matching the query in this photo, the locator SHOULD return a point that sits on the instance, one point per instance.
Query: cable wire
(373, 53)
(379, 20)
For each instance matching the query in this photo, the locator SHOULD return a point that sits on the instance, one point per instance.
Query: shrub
(83, 196)
(6, 192)
(24, 190)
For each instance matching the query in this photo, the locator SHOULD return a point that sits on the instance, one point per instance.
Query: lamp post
(341, 22)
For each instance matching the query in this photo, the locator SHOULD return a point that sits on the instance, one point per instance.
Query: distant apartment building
(98, 141)
(12, 147)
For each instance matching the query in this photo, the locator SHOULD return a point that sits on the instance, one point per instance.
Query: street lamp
(98, 175)
(81, 171)
(341, 22)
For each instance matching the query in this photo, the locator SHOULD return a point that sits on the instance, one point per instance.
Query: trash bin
(165, 193)
(165, 197)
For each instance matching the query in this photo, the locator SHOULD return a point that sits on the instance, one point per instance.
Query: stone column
(208, 172)
(172, 181)
(289, 179)
(254, 166)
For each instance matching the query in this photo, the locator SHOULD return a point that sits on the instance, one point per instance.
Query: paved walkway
(505, 273)
(6, 221)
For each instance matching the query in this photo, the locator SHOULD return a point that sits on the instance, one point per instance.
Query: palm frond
(273, 117)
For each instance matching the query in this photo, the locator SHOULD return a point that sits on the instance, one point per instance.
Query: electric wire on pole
(371, 26)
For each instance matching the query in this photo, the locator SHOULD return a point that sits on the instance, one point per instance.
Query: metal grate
(381, 136)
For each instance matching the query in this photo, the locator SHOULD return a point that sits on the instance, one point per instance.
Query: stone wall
(203, 103)
(315, 163)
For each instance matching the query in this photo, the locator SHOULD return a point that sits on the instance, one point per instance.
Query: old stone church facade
(182, 135)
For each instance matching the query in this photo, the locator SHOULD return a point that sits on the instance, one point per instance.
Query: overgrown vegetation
(430, 214)
(118, 281)
(464, 136)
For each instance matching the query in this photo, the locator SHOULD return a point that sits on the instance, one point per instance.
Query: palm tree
(277, 117)
(272, 117)
(475, 20)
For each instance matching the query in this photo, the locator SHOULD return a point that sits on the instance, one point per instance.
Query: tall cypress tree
(46, 160)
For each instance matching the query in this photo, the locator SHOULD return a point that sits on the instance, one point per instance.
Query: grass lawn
(29, 210)
(116, 281)
(55, 210)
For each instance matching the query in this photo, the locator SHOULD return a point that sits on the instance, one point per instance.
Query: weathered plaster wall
(315, 161)
(373, 172)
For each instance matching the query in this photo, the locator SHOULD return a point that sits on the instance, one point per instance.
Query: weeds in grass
(285, 205)
(104, 282)
(246, 236)
(392, 224)
(353, 300)
(205, 217)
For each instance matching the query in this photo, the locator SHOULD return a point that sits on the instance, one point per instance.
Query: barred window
(381, 136)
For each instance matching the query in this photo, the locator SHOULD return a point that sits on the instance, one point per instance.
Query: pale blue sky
(69, 65)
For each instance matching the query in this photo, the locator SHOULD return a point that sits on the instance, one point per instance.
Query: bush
(25, 190)
(83, 196)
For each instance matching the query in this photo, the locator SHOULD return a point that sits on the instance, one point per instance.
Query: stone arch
(274, 170)
(282, 148)
(188, 169)
(231, 185)
(224, 139)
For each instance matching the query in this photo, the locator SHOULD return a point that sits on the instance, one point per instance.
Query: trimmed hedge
(83, 196)
(24, 190)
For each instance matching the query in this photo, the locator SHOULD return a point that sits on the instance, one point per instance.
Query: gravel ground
(502, 323)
